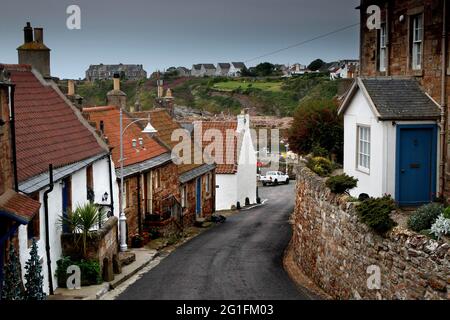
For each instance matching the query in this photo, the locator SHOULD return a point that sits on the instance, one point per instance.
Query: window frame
(360, 166)
(416, 31)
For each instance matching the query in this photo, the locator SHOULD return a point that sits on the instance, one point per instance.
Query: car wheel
(275, 182)
(264, 184)
(287, 181)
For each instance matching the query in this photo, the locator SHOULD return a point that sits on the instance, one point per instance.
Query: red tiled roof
(48, 130)
(228, 145)
(18, 206)
(166, 125)
(110, 116)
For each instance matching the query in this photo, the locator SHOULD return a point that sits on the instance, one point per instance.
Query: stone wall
(102, 246)
(335, 250)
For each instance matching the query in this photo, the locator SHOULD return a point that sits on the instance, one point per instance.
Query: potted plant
(137, 241)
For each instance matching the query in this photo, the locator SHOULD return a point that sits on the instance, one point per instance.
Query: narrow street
(241, 259)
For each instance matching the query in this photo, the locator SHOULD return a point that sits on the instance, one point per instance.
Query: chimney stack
(116, 97)
(35, 52)
(71, 88)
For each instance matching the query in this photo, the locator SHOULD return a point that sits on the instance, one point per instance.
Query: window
(363, 153)
(416, 41)
(183, 192)
(208, 183)
(382, 48)
(157, 179)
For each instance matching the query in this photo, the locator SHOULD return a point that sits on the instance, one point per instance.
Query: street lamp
(123, 219)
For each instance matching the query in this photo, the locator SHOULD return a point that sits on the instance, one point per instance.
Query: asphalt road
(240, 259)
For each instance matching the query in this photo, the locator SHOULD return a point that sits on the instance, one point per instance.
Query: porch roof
(394, 98)
(197, 172)
(145, 165)
(18, 207)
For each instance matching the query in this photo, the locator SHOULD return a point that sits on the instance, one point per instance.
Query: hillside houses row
(56, 157)
(233, 69)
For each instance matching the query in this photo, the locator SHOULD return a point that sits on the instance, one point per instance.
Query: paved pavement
(240, 259)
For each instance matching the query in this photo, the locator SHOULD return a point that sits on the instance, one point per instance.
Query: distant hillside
(269, 96)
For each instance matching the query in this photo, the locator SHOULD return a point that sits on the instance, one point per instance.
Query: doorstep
(143, 258)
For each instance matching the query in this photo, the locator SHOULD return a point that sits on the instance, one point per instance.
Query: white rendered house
(391, 139)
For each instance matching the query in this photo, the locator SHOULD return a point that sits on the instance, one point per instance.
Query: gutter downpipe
(388, 41)
(47, 237)
(12, 123)
(111, 191)
(443, 123)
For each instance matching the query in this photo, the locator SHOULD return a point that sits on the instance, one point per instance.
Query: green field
(262, 85)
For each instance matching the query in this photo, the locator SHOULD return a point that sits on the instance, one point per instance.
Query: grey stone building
(107, 71)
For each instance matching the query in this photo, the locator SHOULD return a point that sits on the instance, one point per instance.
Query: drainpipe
(139, 204)
(111, 190)
(388, 40)
(47, 235)
(443, 123)
(12, 123)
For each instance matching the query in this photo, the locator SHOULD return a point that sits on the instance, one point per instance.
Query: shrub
(341, 184)
(441, 227)
(318, 151)
(447, 213)
(425, 216)
(322, 166)
(375, 213)
(90, 271)
(317, 124)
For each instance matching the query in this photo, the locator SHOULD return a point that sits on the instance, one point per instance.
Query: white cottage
(391, 139)
(236, 161)
(51, 131)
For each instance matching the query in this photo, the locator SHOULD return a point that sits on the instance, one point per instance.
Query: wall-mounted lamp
(141, 142)
(134, 143)
(105, 197)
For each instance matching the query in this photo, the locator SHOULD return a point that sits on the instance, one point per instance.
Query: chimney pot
(116, 80)
(39, 35)
(28, 33)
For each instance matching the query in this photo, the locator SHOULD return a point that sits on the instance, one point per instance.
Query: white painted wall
(381, 179)
(79, 196)
(359, 113)
(226, 194)
(247, 164)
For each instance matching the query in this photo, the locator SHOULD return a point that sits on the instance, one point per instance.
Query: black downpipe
(47, 236)
(12, 122)
(111, 190)
(139, 204)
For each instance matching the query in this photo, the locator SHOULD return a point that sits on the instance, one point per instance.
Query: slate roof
(196, 172)
(196, 66)
(209, 66)
(18, 206)
(110, 115)
(395, 99)
(224, 65)
(238, 65)
(49, 130)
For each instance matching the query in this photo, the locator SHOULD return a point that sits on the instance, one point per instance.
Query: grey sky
(164, 33)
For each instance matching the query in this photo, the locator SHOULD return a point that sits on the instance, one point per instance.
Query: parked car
(274, 178)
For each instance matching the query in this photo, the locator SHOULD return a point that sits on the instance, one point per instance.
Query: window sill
(417, 73)
(363, 170)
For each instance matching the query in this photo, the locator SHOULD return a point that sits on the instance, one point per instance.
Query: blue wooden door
(198, 205)
(416, 164)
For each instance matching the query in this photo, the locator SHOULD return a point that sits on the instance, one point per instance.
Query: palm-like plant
(82, 220)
